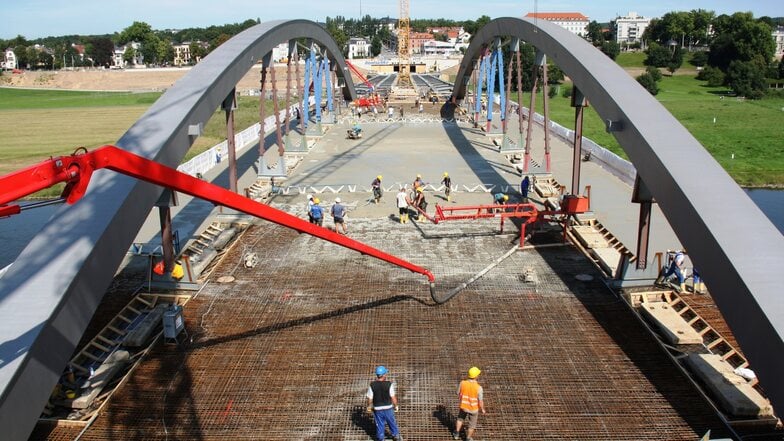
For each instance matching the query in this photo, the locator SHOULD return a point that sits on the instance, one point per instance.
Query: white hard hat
(337, 200)
(310, 196)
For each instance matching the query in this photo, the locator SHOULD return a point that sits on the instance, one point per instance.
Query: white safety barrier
(203, 162)
(608, 160)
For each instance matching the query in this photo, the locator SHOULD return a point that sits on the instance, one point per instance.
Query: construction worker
(500, 199)
(471, 398)
(310, 204)
(525, 185)
(676, 267)
(447, 181)
(403, 201)
(382, 403)
(317, 212)
(338, 213)
(378, 191)
(417, 182)
(420, 203)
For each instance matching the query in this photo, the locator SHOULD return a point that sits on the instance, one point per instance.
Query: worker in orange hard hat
(471, 397)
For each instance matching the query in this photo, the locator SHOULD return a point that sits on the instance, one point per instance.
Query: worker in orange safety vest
(471, 402)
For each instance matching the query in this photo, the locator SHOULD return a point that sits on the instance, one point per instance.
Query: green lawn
(749, 129)
(19, 99)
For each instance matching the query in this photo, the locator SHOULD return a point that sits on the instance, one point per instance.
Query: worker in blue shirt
(317, 212)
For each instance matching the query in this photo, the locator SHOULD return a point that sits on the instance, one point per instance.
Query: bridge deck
(286, 351)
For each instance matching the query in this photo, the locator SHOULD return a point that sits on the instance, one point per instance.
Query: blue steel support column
(309, 64)
(328, 82)
(491, 72)
(318, 87)
(478, 93)
(502, 91)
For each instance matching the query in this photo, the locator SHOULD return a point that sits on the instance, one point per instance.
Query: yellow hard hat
(316, 200)
(177, 272)
(418, 175)
(474, 372)
(446, 174)
(379, 177)
(506, 197)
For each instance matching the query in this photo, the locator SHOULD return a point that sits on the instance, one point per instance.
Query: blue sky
(42, 18)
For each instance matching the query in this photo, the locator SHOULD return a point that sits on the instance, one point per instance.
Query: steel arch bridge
(737, 248)
(49, 295)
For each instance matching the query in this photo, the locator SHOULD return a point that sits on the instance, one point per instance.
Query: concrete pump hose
(454, 291)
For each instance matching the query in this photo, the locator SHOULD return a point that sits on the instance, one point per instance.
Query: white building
(280, 53)
(629, 29)
(463, 40)
(573, 22)
(10, 62)
(182, 53)
(778, 36)
(434, 47)
(118, 58)
(358, 48)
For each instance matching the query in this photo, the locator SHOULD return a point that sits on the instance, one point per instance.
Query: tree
(101, 50)
(740, 38)
(654, 72)
(675, 61)
(219, 40)
(139, 32)
(658, 55)
(594, 34)
(781, 69)
(699, 59)
(611, 49)
(746, 79)
(647, 81)
(129, 55)
(197, 52)
(21, 56)
(713, 75)
(375, 46)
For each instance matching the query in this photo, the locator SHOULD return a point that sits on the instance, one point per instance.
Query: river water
(16, 231)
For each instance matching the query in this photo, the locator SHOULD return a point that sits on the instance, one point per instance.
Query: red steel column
(229, 105)
(531, 111)
(519, 91)
(276, 109)
(579, 103)
(508, 94)
(546, 103)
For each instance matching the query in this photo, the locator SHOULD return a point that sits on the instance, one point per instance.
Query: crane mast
(404, 45)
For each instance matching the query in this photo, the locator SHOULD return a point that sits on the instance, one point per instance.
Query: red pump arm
(76, 170)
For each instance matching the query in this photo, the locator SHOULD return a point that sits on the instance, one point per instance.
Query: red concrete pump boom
(76, 170)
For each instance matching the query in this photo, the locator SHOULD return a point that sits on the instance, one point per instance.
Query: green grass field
(37, 124)
(751, 130)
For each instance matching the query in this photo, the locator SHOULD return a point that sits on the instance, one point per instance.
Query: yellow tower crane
(404, 45)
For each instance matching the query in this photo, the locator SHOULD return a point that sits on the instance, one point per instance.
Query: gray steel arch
(52, 290)
(740, 253)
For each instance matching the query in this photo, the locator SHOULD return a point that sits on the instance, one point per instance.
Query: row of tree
(155, 46)
(740, 49)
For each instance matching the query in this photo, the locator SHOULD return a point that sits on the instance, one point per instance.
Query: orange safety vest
(469, 396)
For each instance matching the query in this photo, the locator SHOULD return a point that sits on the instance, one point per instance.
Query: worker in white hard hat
(472, 401)
(338, 213)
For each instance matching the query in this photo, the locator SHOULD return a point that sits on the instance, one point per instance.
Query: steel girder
(49, 295)
(737, 249)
